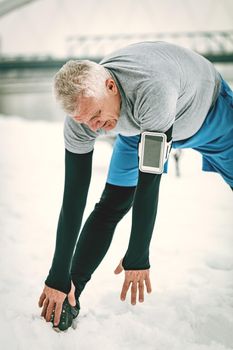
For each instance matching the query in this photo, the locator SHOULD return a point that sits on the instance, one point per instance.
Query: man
(148, 86)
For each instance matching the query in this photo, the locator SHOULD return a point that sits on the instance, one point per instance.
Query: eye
(97, 115)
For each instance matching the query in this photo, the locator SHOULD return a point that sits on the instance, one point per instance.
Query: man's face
(102, 113)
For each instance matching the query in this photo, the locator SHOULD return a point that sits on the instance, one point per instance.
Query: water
(28, 93)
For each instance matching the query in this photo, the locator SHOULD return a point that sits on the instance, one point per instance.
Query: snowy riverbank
(191, 306)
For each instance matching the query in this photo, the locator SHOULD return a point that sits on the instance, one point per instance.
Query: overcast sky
(43, 26)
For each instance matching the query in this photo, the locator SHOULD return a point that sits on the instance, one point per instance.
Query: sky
(190, 306)
(43, 26)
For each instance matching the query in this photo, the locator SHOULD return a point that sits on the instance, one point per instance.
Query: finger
(57, 316)
(119, 269)
(71, 295)
(72, 287)
(133, 293)
(141, 291)
(71, 299)
(41, 300)
(49, 311)
(125, 289)
(46, 302)
(148, 285)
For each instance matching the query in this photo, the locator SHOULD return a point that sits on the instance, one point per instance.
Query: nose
(92, 124)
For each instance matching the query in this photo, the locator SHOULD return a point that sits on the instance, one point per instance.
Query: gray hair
(79, 78)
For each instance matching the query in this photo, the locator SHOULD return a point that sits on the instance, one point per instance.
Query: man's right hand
(52, 300)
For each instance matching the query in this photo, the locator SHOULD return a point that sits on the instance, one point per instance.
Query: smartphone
(153, 152)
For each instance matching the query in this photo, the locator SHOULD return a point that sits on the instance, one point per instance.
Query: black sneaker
(68, 314)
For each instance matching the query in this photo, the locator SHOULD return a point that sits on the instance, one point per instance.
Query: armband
(153, 152)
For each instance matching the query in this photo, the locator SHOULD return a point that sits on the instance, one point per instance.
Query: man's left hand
(137, 279)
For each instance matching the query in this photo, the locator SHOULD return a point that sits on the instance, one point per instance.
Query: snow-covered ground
(191, 306)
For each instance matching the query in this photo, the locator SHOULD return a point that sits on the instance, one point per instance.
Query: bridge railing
(206, 43)
(216, 46)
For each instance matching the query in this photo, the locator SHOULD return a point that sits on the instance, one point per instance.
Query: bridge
(216, 46)
(7, 6)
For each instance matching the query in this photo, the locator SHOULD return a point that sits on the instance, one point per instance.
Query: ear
(111, 86)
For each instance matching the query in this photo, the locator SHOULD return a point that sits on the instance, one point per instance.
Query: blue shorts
(123, 169)
(214, 140)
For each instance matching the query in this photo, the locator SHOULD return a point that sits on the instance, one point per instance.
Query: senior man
(144, 87)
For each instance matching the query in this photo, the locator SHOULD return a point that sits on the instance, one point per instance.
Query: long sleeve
(143, 219)
(77, 181)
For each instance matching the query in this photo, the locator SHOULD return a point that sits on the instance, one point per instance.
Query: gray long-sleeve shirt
(160, 84)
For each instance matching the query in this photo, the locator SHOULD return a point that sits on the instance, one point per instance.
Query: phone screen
(152, 151)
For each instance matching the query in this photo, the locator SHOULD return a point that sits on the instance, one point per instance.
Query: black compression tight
(97, 233)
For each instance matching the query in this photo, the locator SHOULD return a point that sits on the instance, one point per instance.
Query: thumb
(119, 268)
(71, 297)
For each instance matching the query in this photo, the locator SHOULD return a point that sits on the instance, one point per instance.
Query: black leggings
(97, 233)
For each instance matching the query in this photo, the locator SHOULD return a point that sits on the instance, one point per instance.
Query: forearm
(77, 180)
(143, 219)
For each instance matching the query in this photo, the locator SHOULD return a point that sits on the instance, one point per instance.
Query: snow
(191, 306)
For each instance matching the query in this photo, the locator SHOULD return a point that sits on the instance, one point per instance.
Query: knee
(115, 200)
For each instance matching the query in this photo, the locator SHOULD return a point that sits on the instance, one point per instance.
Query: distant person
(154, 87)
(176, 154)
